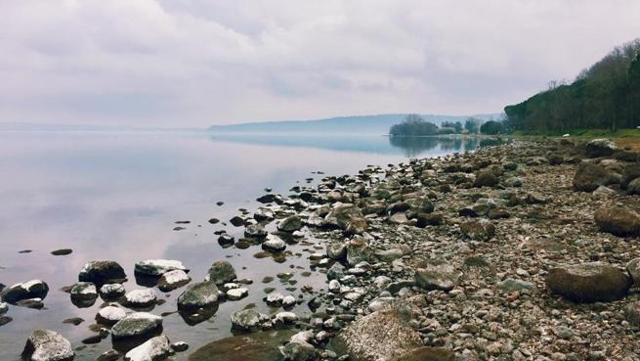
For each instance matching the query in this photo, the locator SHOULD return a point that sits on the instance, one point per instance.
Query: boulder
(101, 272)
(428, 354)
(290, 224)
(135, 325)
(157, 267)
(143, 297)
(600, 148)
(46, 345)
(221, 272)
(590, 176)
(110, 315)
(349, 218)
(632, 313)
(441, 277)
(633, 267)
(336, 250)
(198, 295)
(634, 187)
(154, 349)
(358, 250)
(365, 340)
(618, 221)
(274, 244)
(24, 291)
(257, 346)
(589, 282)
(299, 347)
(112, 291)
(172, 280)
(247, 320)
(84, 291)
(486, 178)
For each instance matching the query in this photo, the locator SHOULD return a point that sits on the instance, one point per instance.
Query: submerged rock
(46, 345)
(589, 282)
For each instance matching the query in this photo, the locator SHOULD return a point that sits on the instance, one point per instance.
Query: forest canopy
(604, 96)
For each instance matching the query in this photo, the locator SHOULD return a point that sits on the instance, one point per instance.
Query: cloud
(198, 62)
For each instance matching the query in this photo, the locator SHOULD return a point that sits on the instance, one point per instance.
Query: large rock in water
(618, 221)
(590, 176)
(46, 345)
(24, 291)
(221, 272)
(155, 349)
(101, 272)
(600, 148)
(198, 295)
(158, 267)
(365, 339)
(136, 324)
(290, 224)
(589, 282)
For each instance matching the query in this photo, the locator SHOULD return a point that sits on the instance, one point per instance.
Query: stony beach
(521, 251)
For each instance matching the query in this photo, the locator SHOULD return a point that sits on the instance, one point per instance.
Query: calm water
(117, 195)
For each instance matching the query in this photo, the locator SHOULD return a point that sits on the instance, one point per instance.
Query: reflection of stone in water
(258, 346)
(146, 280)
(194, 317)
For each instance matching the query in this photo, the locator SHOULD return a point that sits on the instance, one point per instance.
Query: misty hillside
(364, 124)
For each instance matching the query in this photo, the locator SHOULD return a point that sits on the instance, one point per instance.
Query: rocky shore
(522, 251)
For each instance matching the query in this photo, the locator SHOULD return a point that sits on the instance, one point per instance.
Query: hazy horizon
(159, 63)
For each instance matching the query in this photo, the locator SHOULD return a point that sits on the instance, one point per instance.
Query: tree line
(414, 125)
(604, 96)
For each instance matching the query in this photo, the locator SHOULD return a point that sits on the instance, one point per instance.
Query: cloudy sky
(175, 63)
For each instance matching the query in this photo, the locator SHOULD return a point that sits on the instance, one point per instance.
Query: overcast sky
(175, 63)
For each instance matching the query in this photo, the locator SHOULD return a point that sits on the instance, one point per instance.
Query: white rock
(285, 317)
(334, 286)
(288, 301)
(157, 267)
(46, 345)
(173, 279)
(156, 348)
(141, 297)
(235, 294)
(4, 307)
(110, 315)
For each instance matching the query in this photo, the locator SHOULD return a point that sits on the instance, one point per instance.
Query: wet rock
(172, 280)
(349, 218)
(285, 318)
(221, 272)
(158, 267)
(237, 221)
(365, 340)
(5, 320)
(110, 315)
(83, 294)
(290, 224)
(198, 295)
(111, 355)
(429, 219)
(618, 221)
(235, 294)
(46, 345)
(441, 277)
(34, 303)
(590, 176)
(101, 272)
(135, 325)
(480, 230)
(247, 320)
(24, 291)
(600, 148)
(589, 282)
(299, 347)
(336, 250)
(140, 298)
(226, 240)
(255, 231)
(112, 291)
(4, 307)
(62, 252)
(155, 349)
(274, 244)
(358, 250)
(180, 346)
(73, 321)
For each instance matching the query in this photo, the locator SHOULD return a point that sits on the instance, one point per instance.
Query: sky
(193, 63)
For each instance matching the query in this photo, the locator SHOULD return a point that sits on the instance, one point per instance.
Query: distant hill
(362, 124)
(604, 96)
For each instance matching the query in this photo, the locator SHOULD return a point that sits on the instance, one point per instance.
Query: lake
(117, 196)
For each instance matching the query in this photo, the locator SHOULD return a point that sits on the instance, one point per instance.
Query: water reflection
(417, 146)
